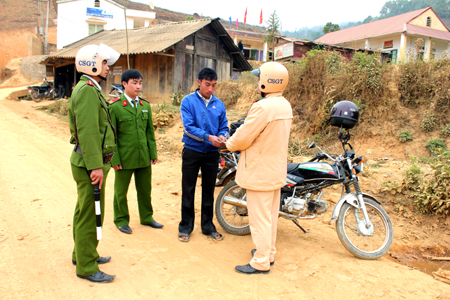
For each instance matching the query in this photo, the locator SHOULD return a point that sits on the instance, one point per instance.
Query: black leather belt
(107, 158)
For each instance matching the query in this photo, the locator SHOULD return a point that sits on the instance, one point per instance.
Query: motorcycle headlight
(358, 168)
(359, 160)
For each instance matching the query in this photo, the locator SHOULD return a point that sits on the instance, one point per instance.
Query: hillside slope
(18, 14)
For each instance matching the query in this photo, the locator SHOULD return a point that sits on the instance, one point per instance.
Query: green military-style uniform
(136, 148)
(92, 127)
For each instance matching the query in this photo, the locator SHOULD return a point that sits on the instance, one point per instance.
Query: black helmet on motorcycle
(344, 114)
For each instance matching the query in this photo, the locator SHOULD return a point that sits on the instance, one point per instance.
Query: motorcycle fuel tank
(316, 170)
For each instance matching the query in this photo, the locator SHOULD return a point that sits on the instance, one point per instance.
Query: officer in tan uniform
(263, 140)
(95, 139)
(136, 152)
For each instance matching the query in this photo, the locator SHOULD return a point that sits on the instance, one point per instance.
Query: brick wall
(14, 43)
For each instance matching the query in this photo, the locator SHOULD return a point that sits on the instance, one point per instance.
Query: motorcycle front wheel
(362, 241)
(35, 96)
(232, 218)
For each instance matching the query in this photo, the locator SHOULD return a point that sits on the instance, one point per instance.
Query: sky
(293, 14)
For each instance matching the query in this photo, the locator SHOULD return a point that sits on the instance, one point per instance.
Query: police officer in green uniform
(136, 152)
(94, 138)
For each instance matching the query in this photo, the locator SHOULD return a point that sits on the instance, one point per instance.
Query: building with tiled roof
(396, 36)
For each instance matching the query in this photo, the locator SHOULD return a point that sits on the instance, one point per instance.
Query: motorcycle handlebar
(319, 156)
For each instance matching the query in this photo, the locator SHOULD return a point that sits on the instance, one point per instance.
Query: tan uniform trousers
(263, 208)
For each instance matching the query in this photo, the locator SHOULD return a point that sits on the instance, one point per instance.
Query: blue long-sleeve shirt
(200, 121)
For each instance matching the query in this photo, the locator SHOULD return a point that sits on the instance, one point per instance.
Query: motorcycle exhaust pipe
(242, 203)
(235, 201)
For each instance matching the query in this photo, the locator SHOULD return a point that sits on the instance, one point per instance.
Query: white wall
(440, 47)
(378, 43)
(73, 23)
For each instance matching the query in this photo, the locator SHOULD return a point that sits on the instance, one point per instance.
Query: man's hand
(154, 161)
(215, 140)
(118, 167)
(222, 139)
(97, 177)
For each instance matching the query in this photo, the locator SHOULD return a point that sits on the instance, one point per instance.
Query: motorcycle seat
(117, 85)
(291, 167)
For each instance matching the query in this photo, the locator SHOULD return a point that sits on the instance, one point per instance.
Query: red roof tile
(438, 34)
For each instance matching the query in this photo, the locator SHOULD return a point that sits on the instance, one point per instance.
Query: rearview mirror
(312, 145)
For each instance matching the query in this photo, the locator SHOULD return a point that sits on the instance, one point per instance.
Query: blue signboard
(98, 12)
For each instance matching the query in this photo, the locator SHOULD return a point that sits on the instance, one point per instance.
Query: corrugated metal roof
(241, 62)
(387, 26)
(295, 40)
(308, 42)
(153, 39)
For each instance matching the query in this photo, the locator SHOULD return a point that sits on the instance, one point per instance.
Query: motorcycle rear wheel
(365, 243)
(232, 218)
(54, 94)
(35, 96)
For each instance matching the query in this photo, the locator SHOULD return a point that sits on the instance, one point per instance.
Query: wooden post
(126, 33)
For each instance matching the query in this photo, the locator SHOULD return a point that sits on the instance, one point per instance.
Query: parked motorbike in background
(116, 91)
(47, 90)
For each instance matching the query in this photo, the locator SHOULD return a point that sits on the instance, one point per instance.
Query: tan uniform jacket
(263, 140)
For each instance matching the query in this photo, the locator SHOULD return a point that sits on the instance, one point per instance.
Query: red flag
(237, 22)
(245, 16)
(261, 18)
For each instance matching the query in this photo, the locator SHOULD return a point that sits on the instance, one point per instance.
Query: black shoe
(247, 269)
(98, 277)
(253, 254)
(100, 260)
(154, 224)
(125, 229)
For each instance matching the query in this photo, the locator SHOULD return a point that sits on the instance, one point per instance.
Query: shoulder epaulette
(90, 83)
(140, 98)
(115, 100)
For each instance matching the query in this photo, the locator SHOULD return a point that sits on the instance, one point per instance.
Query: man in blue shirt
(205, 129)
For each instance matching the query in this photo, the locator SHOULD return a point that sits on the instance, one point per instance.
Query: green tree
(330, 27)
(189, 18)
(273, 25)
(369, 19)
(397, 7)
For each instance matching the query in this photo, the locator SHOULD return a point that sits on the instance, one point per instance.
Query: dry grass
(323, 78)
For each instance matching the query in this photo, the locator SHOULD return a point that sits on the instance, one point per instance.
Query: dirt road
(37, 199)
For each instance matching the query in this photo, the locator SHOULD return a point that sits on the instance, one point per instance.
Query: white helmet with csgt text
(273, 77)
(89, 59)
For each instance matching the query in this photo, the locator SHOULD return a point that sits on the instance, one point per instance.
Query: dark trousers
(208, 164)
(62, 90)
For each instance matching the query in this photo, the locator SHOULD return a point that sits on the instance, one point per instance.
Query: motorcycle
(47, 90)
(227, 160)
(116, 91)
(227, 167)
(362, 225)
